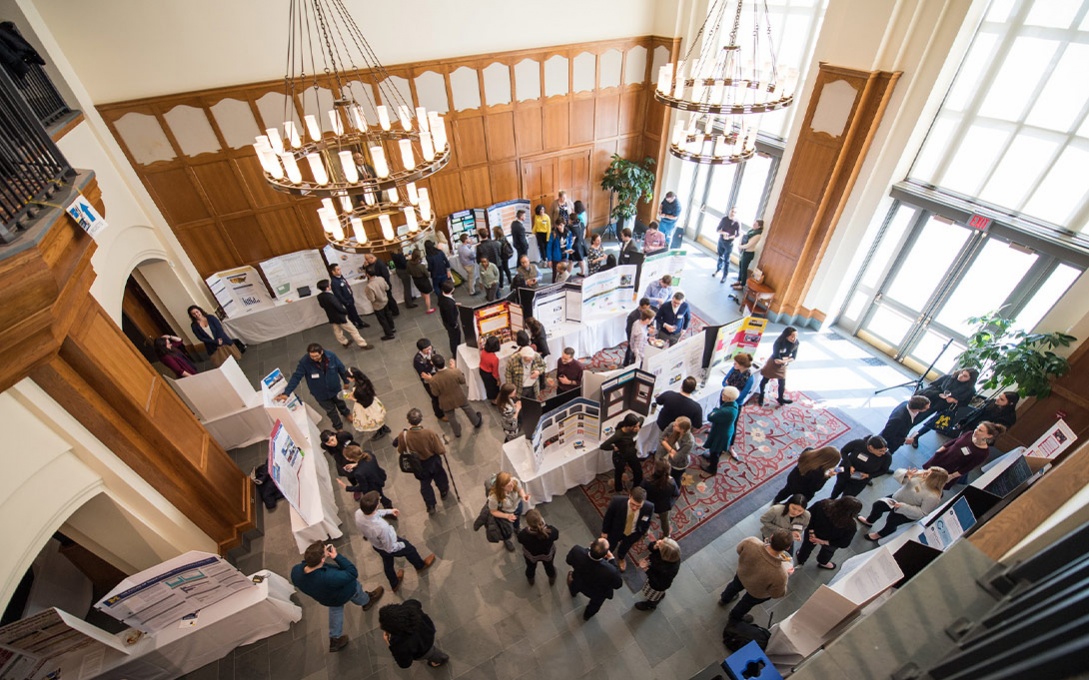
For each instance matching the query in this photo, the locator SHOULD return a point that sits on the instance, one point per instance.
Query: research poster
(503, 214)
(286, 274)
(493, 320)
(576, 424)
(1053, 442)
(672, 365)
(351, 264)
(285, 461)
(656, 266)
(239, 291)
(550, 309)
(612, 290)
(164, 594)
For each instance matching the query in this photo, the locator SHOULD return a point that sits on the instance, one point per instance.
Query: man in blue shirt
(324, 373)
(673, 319)
(342, 290)
(333, 581)
(668, 214)
(659, 291)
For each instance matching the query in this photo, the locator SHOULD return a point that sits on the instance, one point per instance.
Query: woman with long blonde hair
(814, 468)
(538, 540)
(919, 494)
(506, 498)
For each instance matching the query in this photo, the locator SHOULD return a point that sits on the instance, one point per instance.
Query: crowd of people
(649, 471)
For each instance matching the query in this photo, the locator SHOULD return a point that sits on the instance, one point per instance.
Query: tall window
(1013, 131)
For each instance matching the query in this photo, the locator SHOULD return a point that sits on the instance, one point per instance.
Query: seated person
(568, 371)
(673, 319)
(654, 239)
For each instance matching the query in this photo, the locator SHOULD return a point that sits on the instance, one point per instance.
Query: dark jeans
(392, 304)
(542, 244)
(385, 319)
(455, 339)
(408, 552)
(491, 385)
(433, 470)
(747, 601)
(504, 273)
(743, 266)
(677, 475)
(894, 521)
(723, 263)
(632, 461)
(824, 556)
(332, 407)
(549, 567)
(782, 387)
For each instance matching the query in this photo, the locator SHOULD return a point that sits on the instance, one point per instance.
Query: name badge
(314, 376)
(797, 527)
(863, 457)
(966, 451)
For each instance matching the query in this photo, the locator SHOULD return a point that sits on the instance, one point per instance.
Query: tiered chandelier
(723, 89)
(360, 147)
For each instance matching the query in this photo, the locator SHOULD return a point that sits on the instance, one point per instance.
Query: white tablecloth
(649, 435)
(241, 619)
(563, 469)
(469, 363)
(290, 317)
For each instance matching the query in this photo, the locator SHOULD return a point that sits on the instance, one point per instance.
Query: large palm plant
(1008, 357)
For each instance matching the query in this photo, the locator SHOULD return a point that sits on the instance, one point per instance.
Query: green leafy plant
(1006, 357)
(632, 183)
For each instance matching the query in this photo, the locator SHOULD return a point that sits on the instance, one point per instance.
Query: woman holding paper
(919, 493)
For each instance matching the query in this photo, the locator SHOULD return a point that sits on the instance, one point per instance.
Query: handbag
(224, 352)
(369, 419)
(409, 460)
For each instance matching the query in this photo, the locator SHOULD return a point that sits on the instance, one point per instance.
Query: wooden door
(544, 176)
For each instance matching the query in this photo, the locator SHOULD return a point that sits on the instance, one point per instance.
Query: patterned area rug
(769, 442)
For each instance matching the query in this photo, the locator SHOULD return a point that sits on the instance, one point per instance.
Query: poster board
(491, 321)
(503, 214)
(1057, 439)
(461, 222)
(33, 647)
(351, 264)
(163, 595)
(671, 365)
(609, 291)
(550, 308)
(629, 391)
(654, 267)
(286, 274)
(949, 526)
(285, 465)
(239, 291)
(575, 425)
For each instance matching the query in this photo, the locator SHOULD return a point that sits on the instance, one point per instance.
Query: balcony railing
(31, 79)
(32, 168)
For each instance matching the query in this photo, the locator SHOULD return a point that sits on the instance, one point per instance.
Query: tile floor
(491, 622)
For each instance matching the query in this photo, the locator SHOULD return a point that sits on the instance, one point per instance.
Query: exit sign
(979, 222)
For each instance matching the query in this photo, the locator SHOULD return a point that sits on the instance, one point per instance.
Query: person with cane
(424, 449)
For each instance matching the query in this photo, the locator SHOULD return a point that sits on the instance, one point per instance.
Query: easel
(918, 383)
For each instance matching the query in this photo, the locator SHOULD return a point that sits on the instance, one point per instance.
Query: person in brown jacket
(448, 386)
(762, 571)
(428, 446)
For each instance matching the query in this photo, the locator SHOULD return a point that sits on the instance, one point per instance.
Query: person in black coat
(594, 574)
(814, 468)
(945, 394)
(518, 235)
(365, 474)
(615, 522)
(662, 490)
(337, 315)
(677, 404)
(661, 567)
(400, 265)
(421, 364)
(334, 444)
(622, 444)
(831, 526)
(901, 420)
(538, 540)
(633, 316)
(448, 310)
(343, 292)
(1000, 410)
(863, 459)
(410, 634)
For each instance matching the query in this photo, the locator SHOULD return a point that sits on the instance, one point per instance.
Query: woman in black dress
(783, 352)
(814, 468)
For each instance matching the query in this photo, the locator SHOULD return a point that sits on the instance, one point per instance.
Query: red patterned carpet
(769, 442)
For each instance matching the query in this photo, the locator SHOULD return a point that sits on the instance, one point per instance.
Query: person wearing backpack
(506, 252)
(763, 567)
(427, 446)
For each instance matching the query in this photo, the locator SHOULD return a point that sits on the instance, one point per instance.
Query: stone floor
(490, 621)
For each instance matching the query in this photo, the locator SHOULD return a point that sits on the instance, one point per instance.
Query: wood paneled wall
(225, 215)
(54, 331)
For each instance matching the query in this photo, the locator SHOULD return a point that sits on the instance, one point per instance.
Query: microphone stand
(917, 384)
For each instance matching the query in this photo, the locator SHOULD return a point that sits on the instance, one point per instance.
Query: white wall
(53, 466)
(126, 49)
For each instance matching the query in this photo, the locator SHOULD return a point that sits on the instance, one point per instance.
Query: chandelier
(349, 137)
(724, 89)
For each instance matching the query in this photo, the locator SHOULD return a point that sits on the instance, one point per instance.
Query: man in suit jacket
(901, 420)
(518, 234)
(448, 310)
(627, 519)
(673, 318)
(594, 574)
(448, 386)
(629, 251)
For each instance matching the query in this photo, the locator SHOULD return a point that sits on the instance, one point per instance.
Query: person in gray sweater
(919, 493)
(763, 568)
(790, 516)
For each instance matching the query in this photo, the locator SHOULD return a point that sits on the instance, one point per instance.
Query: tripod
(917, 384)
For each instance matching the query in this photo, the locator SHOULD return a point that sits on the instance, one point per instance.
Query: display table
(469, 363)
(649, 435)
(563, 469)
(241, 619)
(285, 318)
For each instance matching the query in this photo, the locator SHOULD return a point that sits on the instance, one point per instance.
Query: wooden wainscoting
(225, 215)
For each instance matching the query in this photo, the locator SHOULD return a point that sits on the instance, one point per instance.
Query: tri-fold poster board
(500, 318)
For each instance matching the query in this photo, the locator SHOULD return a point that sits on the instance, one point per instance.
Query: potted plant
(1006, 357)
(632, 182)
